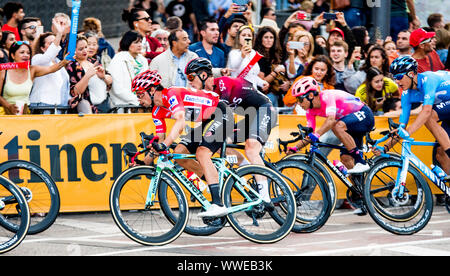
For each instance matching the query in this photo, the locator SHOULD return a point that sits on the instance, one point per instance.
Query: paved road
(95, 234)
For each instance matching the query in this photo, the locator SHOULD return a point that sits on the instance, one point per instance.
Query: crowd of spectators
(340, 53)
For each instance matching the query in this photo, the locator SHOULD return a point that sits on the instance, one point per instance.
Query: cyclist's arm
(423, 116)
(327, 125)
(177, 128)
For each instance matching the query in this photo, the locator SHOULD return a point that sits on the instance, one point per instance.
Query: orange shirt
(290, 100)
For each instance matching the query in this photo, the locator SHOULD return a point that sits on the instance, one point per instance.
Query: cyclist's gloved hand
(292, 149)
(159, 147)
(314, 137)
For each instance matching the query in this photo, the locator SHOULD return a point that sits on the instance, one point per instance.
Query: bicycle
(239, 195)
(14, 213)
(310, 191)
(39, 189)
(401, 201)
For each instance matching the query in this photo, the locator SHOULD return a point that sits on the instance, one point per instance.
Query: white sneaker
(214, 211)
(359, 168)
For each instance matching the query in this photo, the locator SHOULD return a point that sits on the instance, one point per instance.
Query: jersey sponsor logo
(173, 102)
(222, 86)
(197, 100)
(157, 122)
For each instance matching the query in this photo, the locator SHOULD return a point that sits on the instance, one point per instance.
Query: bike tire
(323, 171)
(266, 227)
(15, 207)
(406, 218)
(40, 190)
(195, 226)
(312, 196)
(127, 201)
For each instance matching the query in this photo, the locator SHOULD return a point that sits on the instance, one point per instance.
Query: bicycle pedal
(193, 199)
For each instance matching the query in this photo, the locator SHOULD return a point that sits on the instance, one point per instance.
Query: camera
(329, 16)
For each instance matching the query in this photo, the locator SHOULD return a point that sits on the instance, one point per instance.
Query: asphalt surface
(345, 234)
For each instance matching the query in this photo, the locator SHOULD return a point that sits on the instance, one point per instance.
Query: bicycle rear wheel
(40, 190)
(13, 210)
(404, 216)
(311, 194)
(148, 226)
(256, 223)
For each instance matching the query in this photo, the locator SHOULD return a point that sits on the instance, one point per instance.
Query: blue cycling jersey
(432, 88)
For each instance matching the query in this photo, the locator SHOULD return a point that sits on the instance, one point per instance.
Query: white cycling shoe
(214, 211)
(359, 168)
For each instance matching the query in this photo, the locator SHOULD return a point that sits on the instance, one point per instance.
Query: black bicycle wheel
(195, 226)
(257, 223)
(403, 216)
(311, 194)
(40, 190)
(323, 171)
(14, 210)
(148, 226)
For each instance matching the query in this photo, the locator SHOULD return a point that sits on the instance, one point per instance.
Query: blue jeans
(398, 24)
(354, 17)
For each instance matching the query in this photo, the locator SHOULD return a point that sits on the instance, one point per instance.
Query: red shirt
(431, 62)
(198, 106)
(6, 27)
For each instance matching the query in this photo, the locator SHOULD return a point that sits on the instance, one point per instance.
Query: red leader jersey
(198, 106)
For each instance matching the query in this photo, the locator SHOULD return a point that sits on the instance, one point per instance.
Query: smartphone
(248, 41)
(297, 45)
(379, 99)
(329, 16)
(242, 5)
(301, 15)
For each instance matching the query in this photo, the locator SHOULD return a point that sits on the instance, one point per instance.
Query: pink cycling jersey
(335, 103)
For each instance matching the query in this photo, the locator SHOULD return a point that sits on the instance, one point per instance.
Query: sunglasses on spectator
(20, 43)
(428, 40)
(145, 18)
(32, 27)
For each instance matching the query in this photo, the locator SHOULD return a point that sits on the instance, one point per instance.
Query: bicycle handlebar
(302, 133)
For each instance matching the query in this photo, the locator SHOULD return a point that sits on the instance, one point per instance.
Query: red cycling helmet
(145, 80)
(305, 85)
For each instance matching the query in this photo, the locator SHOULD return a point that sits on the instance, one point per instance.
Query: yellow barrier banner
(83, 154)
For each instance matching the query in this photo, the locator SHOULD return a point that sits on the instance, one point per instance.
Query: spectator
(403, 46)
(173, 23)
(16, 92)
(53, 89)
(183, 10)
(243, 60)
(361, 36)
(218, 8)
(28, 29)
(8, 39)
(298, 59)
(356, 13)
(290, 26)
(235, 25)
(201, 10)
(399, 16)
(62, 18)
(13, 12)
(377, 57)
(105, 50)
(171, 63)
(98, 87)
(320, 6)
(155, 8)
(436, 21)
(272, 70)
(163, 37)
(140, 21)
(442, 44)
(426, 57)
(125, 65)
(392, 107)
(338, 55)
(269, 19)
(155, 26)
(376, 89)
(209, 35)
(3, 52)
(307, 7)
(391, 50)
(322, 71)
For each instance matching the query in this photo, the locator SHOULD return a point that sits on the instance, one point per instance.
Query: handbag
(340, 4)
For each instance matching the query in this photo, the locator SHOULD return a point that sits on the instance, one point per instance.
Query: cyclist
(243, 99)
(432, 89)
(347, 117)
(184, 105)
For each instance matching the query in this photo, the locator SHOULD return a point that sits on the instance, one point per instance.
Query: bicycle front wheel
(404, 216)
(14, 210)
(40, 190)
(257, 223)
(147, 225)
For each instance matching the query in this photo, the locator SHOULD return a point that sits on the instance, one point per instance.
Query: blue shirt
(432, 88)
(181, 63)
(217, 57)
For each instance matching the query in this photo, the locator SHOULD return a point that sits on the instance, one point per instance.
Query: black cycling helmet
(403, 65)
(198, 65)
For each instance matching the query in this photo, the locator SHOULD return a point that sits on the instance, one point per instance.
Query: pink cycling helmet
(304, 86)
(145, 80)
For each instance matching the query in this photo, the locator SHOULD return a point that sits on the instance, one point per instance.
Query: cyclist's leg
(441, 133)
(188, 145)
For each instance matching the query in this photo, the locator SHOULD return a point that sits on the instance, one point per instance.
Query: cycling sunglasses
(192, 76)
(399, 76)
(302, 97)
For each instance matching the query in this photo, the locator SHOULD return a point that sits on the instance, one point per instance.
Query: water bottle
(338, 164)
(196, 181)
(438, 171)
